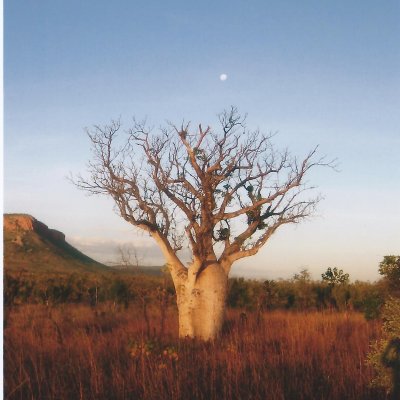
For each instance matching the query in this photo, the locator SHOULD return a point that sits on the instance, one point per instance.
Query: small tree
(304, 295)
(270, 292)
(390, 269)
(337, 289)
(223, 194)
(335, 276)
(120, 293)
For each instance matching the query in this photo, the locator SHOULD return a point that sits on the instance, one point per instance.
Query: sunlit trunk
(202, 306)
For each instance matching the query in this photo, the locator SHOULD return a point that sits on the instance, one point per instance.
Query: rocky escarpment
(19, 224)
(30, 245)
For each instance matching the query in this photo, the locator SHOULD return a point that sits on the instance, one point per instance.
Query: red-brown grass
(75, 352)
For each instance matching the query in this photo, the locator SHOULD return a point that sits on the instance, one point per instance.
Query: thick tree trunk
(201, 305)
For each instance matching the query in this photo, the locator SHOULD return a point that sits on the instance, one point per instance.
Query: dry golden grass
(75, 352)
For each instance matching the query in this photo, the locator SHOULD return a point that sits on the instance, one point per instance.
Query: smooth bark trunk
(201, 305)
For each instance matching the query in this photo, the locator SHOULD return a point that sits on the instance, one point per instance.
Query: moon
(223, 77)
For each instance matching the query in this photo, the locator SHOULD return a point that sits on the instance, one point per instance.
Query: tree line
(333, 291)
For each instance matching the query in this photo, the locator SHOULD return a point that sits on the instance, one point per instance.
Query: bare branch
(202, 188)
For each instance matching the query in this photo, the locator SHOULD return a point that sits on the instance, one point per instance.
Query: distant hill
(30, 246)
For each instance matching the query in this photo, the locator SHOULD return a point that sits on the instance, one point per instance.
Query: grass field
(76, 352)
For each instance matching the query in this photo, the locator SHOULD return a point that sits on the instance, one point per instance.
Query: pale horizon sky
(323, 73)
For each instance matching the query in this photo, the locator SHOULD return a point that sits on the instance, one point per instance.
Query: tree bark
(201, 305)
(199, 184)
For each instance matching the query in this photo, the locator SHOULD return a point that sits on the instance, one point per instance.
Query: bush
(384, 356)
(372, 305)
(390, 269)
(120, 293)
(239, 295)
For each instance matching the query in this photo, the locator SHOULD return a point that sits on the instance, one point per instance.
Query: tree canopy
(222, 192)
(335, 276)
(389, 267)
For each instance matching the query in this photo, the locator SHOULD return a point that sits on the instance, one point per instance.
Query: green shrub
(372, 305)
(384, 356)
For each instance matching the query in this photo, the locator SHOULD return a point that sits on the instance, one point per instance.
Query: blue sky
(317, 72)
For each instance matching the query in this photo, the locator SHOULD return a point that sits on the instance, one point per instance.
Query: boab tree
(221, 193)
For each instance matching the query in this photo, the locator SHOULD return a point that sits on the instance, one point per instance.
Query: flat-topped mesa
(20, 223)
